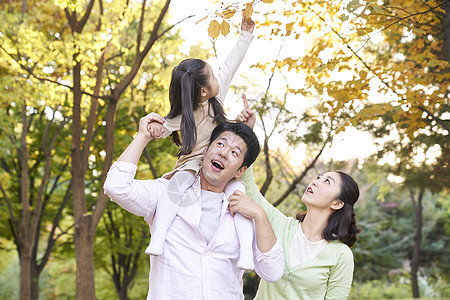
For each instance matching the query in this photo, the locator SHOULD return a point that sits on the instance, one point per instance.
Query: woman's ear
(337, 204)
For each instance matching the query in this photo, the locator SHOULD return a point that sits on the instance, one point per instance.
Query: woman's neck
(313, 225)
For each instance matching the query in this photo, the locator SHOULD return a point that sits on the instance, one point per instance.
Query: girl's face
(322, 192)
(212, 89)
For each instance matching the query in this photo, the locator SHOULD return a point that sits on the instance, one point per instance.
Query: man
(190, 267)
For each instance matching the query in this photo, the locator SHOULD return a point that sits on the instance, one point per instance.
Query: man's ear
(206, 149)
(337, 204)
(240, 172)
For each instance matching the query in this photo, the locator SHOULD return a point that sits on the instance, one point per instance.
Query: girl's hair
(188, 78)
(341, 224)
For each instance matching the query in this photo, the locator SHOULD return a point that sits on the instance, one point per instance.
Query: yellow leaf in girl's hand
(248, 11)
(214, 29)
(224, 28)
(229, 13)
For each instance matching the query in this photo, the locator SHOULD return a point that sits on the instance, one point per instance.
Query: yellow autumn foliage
(214, 29)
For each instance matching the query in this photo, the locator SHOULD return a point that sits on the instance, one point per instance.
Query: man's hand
(248, 25)
(144, 125)
(246, 116)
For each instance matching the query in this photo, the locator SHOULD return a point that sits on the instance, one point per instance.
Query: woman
(318, 260)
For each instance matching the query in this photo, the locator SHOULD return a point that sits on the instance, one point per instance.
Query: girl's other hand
(246, 116)
(248, 25)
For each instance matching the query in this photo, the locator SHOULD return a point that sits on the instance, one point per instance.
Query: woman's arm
(252, 190)
(341, 276)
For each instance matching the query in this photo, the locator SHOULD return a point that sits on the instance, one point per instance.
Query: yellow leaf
(289, 28)
(214, 29)
(320, 68)
(248, 11)
(420, 44)
(229, 13)
(267, 1)
(224, 28)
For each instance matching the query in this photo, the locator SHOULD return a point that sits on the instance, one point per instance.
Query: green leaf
(343, 18)
(320, 68)
(353, 5)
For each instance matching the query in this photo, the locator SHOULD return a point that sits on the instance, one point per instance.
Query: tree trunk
(84, 254)
(34, 281)
(84, 247)
(24, 231)
(446, 31)
(25, 278)
(269, 174)
(417, 243)
(123, 293)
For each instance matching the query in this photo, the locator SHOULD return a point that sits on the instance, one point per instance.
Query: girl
(196, 100)
(318, 260)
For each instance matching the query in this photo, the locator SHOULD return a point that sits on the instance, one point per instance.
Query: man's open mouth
(217, 164)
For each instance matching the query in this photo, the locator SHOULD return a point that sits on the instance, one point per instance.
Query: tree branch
(51, 238)
(367, 66)
(140, 28)
(11, 214)
(31, 73)
(397, 21)
(301, 176)
(438, 120)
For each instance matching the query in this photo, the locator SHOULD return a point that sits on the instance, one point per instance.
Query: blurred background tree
(77, 76)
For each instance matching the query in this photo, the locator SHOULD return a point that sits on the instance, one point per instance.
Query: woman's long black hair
(188, 78)
(342, 224)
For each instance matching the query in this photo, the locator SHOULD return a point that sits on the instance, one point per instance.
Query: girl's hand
(246, 116)
(145, 122)
(243, 204)
(248, 25)
(156, 130)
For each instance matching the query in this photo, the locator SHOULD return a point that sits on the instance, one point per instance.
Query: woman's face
(323, 190)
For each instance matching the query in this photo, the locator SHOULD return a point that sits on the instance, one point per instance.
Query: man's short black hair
(246, 133)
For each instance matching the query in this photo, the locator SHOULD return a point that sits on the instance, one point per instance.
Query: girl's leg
(244, 229)
(167, 209)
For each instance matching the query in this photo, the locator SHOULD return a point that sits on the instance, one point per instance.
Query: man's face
(222, 160)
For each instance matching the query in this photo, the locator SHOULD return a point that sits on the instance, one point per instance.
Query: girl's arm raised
(235, 58)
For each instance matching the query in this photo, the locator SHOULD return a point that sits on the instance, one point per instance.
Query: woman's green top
(327, 276)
